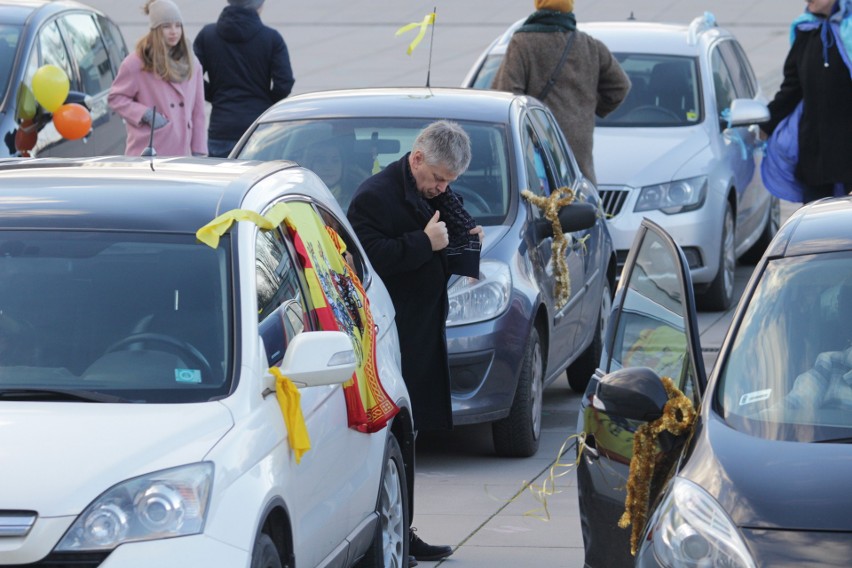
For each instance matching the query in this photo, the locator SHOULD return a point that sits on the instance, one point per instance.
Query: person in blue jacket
(809, 155)
(248, 70)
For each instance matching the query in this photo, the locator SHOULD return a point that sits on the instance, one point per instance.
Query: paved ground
(464, 495)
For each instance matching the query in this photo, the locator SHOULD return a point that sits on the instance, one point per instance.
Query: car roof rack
(698, 25)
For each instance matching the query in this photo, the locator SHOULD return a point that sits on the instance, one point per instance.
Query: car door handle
(590, 447)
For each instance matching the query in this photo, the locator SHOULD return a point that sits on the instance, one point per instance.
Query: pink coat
(134, 91)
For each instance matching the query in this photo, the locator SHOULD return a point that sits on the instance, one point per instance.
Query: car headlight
(473, 300)
(164, 504)
(691, 530)
(673, 197)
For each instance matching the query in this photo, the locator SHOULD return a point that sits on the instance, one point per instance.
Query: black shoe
(422, 551)
(412, 561)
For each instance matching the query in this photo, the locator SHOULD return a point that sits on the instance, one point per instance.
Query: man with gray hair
(405, 217)
(248, 69)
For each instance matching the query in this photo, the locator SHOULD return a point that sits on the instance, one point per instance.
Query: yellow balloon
(50, 87)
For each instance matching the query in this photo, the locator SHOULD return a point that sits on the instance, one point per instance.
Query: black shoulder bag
(552, 80)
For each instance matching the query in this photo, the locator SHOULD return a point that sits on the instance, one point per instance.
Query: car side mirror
(78, 98)
(573, 217)
(317, 358)
(636, 393)
(745, 112)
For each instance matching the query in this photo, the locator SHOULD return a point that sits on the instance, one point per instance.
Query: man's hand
(480, 234)
(437, 232)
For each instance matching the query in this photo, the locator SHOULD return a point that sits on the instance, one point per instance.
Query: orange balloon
(26, 136)
(72, 121)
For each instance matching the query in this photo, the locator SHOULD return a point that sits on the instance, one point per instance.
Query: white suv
(146, 370)
(680, 149)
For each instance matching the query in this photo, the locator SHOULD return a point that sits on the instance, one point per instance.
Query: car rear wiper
(59, 395)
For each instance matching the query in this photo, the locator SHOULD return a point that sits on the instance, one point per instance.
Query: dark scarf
(549, 21)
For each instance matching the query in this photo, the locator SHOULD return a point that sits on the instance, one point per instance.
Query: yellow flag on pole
(427, 21)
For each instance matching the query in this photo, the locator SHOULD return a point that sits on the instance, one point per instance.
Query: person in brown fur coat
(589, 83)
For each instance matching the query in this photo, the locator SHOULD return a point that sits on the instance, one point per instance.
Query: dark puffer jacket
(248, 69)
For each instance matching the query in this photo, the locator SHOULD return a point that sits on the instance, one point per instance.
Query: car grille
(613, 199)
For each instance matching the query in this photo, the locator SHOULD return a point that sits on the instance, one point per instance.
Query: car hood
(57, 457)
(773, 484)
(644, 156)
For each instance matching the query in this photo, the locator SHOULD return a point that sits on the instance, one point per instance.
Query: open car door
(653, 325)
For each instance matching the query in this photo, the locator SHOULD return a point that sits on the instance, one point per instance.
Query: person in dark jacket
(248, 70)
(818, 74)
(397, 215)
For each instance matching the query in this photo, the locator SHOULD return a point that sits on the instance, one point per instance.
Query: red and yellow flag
(338, 296)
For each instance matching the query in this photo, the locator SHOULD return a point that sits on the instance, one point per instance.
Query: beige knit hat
(162, 12)
(558, 5)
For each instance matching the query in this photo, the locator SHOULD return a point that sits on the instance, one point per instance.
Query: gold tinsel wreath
(551, 205)
(678, 416)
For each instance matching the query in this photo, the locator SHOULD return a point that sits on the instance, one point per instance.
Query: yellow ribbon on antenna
(210, 233)
(425, 23)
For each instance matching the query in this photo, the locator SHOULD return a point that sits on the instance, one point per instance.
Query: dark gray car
(81, 41)
(507, 338)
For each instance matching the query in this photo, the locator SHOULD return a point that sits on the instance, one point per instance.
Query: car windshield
(141, 317)
(789, 373)
(9, 35)
(664, 92)
(343, 152)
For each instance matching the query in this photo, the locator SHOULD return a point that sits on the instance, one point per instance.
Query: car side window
(352, 256)
(540, 178)
(723, 83)
(52, 51)
(89, 52)
(114, 42)
(281, 309)
(740, 71)
(551, 139)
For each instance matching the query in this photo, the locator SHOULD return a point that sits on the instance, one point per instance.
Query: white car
(681, 149)
(140, 417)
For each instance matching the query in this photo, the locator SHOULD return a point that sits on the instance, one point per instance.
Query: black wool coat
(825, 130)
(389, 216)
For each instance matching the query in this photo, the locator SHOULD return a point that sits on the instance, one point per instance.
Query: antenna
(632, 17)
(149, 151)
(431, 42)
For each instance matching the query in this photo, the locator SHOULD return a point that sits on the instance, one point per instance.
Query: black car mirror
(78, 98)
(573, 217)
(636, 393)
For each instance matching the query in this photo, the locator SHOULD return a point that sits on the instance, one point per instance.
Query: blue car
(508, 333)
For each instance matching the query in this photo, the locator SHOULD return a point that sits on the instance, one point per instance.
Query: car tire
(518, 434)
(719, 296)
(265, 554)
(390, 542)
(773, 222)
(582, 369)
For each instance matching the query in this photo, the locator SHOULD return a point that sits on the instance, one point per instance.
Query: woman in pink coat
(163, 73)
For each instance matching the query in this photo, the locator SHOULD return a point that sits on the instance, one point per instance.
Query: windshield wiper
(59, 395)
(847, 440)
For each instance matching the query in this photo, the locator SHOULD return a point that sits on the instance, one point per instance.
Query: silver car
(680, 150)
(508, 335)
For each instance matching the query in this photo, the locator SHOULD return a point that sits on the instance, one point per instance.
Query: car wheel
(773, 222)
(390, 543)
(518, 434)
(720, 294)
(582, 369)
(265, 555)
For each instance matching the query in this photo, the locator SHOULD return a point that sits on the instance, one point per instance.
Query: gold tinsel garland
(678, 416)
(551, 205)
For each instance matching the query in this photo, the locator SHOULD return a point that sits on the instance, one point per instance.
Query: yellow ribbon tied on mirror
(423, 24)
(210, 233)
(289, 399)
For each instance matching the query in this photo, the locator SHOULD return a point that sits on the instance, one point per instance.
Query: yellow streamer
(425, 23)
(678, 416)
(289, 399)
(210, 233)
(551, 205)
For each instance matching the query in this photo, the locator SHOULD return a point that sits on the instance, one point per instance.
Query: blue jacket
(248, 69)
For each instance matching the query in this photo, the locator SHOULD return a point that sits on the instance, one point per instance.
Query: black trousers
(820, 191)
